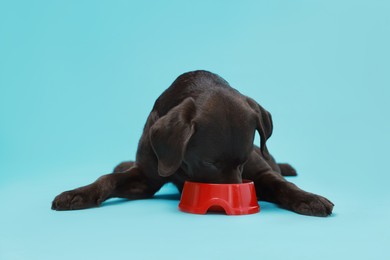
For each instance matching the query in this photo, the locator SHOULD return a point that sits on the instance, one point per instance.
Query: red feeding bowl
(234, 199)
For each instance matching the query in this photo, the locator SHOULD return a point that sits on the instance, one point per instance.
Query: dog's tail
(287, 170)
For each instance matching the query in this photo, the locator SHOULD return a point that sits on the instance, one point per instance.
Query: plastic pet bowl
(234, 199)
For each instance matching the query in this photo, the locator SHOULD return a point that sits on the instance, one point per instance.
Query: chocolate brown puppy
(200, 129)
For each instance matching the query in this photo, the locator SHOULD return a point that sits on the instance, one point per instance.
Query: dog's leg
(271, 186)
(284, 169)
(274, 188)
(132, 184)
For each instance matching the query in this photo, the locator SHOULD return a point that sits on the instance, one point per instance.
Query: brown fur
(200, 129)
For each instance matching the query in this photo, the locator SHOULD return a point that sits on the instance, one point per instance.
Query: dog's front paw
(75, 199)
(312, 205)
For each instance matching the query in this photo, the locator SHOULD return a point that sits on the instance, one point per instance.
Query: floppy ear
(170, 134)
(263, 125)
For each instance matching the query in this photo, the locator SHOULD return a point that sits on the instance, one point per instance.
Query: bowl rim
(245, 182)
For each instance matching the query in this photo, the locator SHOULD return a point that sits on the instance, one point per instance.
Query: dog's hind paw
(287, 170)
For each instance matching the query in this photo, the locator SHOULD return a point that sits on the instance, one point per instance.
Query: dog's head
(211, 139)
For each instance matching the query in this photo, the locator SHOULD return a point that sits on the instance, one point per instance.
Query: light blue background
(78, 79)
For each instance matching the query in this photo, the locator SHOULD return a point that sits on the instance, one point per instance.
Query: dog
(200, 129)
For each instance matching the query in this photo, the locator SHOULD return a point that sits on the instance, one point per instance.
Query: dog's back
(193, 84)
